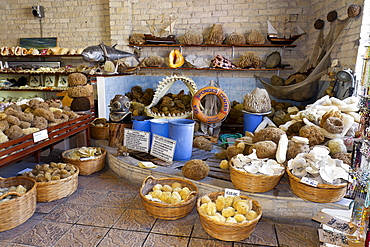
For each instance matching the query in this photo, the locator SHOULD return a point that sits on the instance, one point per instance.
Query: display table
(23, 147)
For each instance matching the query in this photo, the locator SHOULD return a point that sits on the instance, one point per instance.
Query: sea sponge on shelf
(77, 79)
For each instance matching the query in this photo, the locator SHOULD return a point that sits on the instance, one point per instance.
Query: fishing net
(320, 60)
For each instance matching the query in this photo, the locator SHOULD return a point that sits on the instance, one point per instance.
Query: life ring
(225, 105)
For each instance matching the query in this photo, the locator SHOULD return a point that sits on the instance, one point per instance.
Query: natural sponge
(250, 59)
(264, 149)
(77, 79)
(78, 91)
(268, 134)
(313, 134)
(195, 169)
(80, 104)
(192, 37)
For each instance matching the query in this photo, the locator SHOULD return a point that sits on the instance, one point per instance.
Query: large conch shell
(162, 89)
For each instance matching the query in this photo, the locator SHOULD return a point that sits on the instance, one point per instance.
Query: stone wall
(78, 24)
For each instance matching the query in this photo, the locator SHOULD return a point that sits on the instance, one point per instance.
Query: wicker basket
(99, 133)
(57, 189)
(168, 211)
(255, 183)
(89, 166)
(228, 231)
(16, 211)
(322, 193)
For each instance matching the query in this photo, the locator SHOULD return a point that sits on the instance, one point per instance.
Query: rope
(223, 138)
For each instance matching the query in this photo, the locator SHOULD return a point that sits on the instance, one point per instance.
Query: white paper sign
(163, 148)
(40, 135)
(335, 238)
(231, 192)
(136, 140)
(309, 181)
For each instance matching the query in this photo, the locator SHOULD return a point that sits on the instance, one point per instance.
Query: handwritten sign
(163, 148)
(137, 140)
(40, 135)
(231, 192)
(336, 223)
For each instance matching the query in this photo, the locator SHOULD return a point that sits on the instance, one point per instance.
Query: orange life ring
(225, 105)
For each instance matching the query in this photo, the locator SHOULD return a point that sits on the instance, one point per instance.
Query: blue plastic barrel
(182, 130)
(251, 121)
(141, 123)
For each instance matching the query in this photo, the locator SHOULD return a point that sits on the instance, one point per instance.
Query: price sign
(309, 181)
(163, 148)
(231, 192)
(136, 140)
(40, 135)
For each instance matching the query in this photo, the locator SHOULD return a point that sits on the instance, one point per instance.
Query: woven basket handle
(9, 194)
(150, 178)
(192, 193)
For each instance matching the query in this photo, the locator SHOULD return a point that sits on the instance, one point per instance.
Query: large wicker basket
(228, 231)
(255, 183)
(168, 211)
(57, 189)
(16, 211)
(322, 193)
(89, 166)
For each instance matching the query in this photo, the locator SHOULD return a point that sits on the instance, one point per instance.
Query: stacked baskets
(323, 193)
(88, 166)
(168, 211)
(16, 211)
(228, 231)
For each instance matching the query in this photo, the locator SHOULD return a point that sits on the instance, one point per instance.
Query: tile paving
(106, 211)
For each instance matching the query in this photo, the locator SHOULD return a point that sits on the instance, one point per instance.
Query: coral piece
(216, 35)
(153, 61)
(264, 149)
(202, 143)
(137, 39)
(255, 37)
(13, 132)
(258, 101)
(195, 169)
(250, 59)
(268, 134)
(235, 39)
(192, 37)
(79, 91)
(77, 79)
(333, 125)
(313, 134)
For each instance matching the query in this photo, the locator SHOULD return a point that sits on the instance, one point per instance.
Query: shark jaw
(161, 91)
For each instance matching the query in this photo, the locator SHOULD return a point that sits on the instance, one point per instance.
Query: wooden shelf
(34, 89)
(216, 69)
(36, 56)
(178, 45)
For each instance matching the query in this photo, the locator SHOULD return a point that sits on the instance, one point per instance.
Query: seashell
(4, 51)
(251, 168)
(72, 52)
(63, 51)
(266, 170)
(320, 151)
(79, 50)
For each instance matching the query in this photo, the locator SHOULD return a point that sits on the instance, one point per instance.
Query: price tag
(40, 135)
(231, 192)
(309, 181)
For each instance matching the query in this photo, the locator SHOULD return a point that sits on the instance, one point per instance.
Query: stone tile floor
(106, 211)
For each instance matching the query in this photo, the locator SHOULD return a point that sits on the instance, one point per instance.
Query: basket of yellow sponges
(168, 198)
(17, 201)
(231, 218)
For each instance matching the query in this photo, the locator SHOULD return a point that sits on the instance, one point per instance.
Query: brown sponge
(77, 79)
(80, 104)
(195, 169)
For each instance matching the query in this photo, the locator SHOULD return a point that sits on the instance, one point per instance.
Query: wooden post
(116, 133)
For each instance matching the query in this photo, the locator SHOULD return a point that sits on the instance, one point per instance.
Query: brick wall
(78, 24)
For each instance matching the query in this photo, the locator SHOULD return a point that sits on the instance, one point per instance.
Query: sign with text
(40, 135)
(334, 222)
(231, 192)
(137, 140)
(163, 148)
